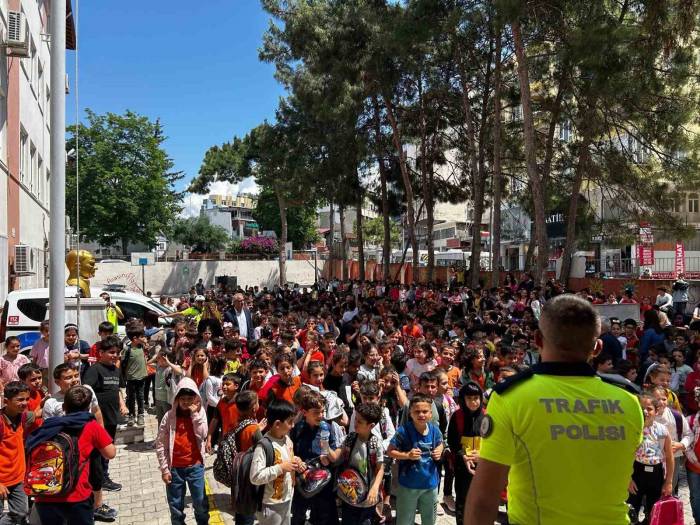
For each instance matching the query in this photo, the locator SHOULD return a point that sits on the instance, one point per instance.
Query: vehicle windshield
(157, 306)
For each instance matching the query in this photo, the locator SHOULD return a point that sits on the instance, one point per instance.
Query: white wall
(178, 277)
(34, 119)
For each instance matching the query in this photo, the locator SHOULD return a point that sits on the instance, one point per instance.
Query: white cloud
(192, 202)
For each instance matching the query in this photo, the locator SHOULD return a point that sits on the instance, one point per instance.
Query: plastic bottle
(321, 442)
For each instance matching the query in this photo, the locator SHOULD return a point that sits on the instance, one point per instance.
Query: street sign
(143, 259)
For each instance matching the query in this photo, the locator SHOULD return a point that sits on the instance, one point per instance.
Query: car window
(35, 308)
(131, 310)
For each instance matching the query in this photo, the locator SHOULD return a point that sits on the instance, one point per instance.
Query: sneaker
(140, 421)
(449, 502)
(130, 421)
(439, 510)
(121, 426)
(105, 513)
(111, 486)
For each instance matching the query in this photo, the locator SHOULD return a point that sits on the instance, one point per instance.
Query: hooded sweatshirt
(166, 433)
(464, 436)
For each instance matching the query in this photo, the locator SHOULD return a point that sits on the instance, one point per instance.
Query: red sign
(680, 258)
(672, 275)
(646, 255)
(13, 320)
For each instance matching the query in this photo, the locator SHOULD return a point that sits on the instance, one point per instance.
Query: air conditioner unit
(16, 42)
(25, 260)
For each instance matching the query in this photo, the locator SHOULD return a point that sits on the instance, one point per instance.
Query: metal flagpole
(57, 238)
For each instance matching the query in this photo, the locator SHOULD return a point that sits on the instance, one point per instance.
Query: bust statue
(87, 270)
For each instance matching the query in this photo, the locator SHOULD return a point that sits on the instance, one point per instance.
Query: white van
(24, 310)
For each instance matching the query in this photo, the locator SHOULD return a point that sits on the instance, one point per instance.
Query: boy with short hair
(133, 367)
(76, 507)
(278, 478)
(284, 384)
(417, 445)
(104, 377)
(363, 451)
(226, 414)
(67, 377)
(30, 375)
(104, 330)
(180, 447)
(12, 460)
(306, 436)
(233, 351)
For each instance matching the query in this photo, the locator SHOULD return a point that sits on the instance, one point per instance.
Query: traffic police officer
(562, 438)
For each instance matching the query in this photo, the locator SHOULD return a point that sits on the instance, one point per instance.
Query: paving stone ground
(142, 499)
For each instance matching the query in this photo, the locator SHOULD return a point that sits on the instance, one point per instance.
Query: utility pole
(57, 238)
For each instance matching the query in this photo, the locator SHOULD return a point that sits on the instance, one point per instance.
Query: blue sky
(194, 65)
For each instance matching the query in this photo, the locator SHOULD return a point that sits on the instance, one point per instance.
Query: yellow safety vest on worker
(569, 439)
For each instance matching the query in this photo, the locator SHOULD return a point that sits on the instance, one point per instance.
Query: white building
(25, 142)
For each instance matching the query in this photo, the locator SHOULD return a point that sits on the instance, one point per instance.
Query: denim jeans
(694, 489)
(16, 506)
(183, 477)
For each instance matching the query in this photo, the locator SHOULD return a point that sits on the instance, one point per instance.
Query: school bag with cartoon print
(353, 487)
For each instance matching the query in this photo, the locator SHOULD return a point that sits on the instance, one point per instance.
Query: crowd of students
(387, 382)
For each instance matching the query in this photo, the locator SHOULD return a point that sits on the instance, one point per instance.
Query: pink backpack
(667, 511)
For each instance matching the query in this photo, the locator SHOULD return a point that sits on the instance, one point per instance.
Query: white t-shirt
(53, 407)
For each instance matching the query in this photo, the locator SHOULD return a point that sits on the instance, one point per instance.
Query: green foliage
(200, 235)
(126, 185)
(373, 231)
(301, 220)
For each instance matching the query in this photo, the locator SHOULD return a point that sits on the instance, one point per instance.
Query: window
(41, 86)
(40, 190)
(35, 309)
(677, 205)
(693, 203)
(517, 113)
(47, 109)
(48, 187)
(32, 61)
(23, 156)
(565, 131)
(32, 169)
(130, 310)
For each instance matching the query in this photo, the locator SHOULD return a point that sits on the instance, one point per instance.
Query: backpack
(227, 453)
(353, 488)
(247, 498)
(53, 466)
(678, 420)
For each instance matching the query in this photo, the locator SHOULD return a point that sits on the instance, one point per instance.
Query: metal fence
(663, 268)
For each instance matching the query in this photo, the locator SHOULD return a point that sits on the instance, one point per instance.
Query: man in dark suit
(239, 316)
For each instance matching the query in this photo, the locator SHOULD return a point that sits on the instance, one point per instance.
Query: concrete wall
(177, 277)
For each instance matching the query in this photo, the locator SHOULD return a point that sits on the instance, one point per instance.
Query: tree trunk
(530, 255)
(430, 222)
(386, 244)
(282, 203)
(360, 237)
(405, 176)
(570, 242)
(403, 255)
(536, 183)
(331, 242)
(343, 253)
(386, 220)
(125, 246)
(496, 233)
(477, 175)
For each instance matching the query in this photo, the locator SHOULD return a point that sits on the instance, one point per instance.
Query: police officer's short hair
(569, 322)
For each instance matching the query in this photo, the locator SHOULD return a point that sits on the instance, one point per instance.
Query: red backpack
(53, 466)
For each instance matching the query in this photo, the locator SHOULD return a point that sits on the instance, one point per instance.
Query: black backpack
(247, 498)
